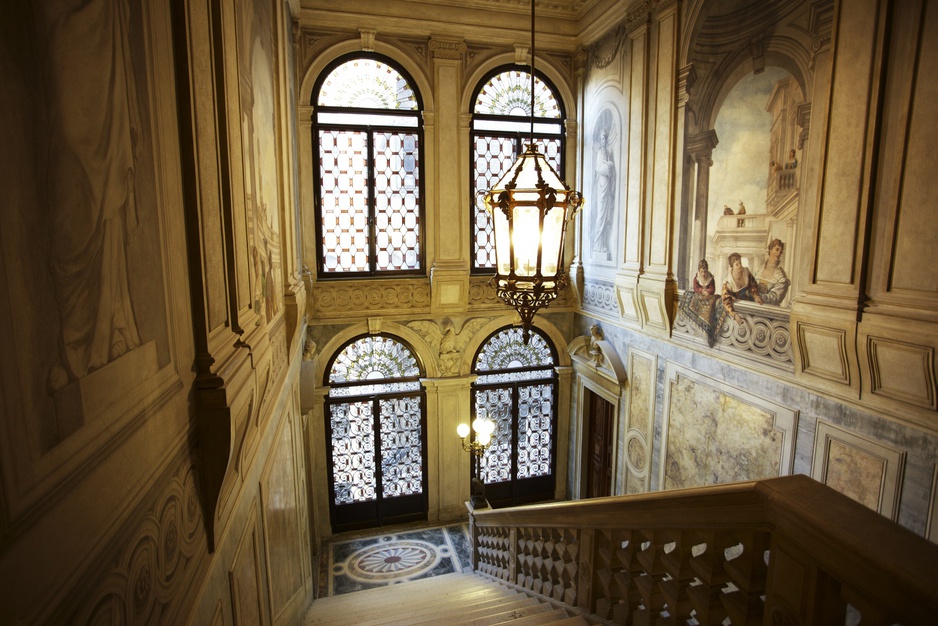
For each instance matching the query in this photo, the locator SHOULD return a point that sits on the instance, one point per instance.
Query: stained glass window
(501, 129)
(369, 137)
(517, 388)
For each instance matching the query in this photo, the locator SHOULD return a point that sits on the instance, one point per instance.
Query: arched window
(501, 128)
(376, 429)
(368, 135)
(517, 388)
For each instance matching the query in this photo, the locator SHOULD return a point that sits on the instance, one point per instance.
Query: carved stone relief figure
(94, 150)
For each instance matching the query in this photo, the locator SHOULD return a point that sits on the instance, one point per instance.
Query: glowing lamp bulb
(463, 430)
(484, 438)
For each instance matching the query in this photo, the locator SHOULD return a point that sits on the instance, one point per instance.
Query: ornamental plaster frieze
(345, 299)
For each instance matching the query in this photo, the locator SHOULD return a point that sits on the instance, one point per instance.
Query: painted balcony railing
(780, 551)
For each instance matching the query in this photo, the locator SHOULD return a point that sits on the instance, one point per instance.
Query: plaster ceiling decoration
(570, 9)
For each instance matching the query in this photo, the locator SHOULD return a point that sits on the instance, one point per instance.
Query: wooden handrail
(809, 552)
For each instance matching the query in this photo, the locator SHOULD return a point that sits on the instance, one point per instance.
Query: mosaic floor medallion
(401, 559)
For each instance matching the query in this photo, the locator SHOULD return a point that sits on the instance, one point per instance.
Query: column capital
(702, 144)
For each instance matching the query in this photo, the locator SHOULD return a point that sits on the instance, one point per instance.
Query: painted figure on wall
(702, 307)
(741, 285)
(703, 279)
(773, 282)
(94, 148)
(604, 185)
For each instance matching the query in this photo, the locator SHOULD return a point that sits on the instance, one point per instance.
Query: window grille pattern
(368, 84)
(501, 130)
(373, 357)
(516, 388)
(369, 203)
(401, 447)
(509, 93)
(376, 427)
(353, 453)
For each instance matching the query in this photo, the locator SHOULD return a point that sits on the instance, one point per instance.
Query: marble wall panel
(868, 471)
(714, 433)
(246, 580)
(284, 542)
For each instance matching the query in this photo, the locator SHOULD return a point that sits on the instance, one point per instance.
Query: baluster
(650, 559)
(608, 593)
(570, 555)
(631, 569)
(709, 568)
(585, 569)
(748, 573)
(677, 564)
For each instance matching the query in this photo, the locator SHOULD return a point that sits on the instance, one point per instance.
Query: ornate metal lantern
(530, 207)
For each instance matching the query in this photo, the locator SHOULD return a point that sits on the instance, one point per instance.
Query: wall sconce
(483, 427)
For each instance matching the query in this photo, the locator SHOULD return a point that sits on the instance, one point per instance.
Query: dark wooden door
(601, 419)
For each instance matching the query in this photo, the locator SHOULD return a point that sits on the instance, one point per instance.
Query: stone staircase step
(460, 598)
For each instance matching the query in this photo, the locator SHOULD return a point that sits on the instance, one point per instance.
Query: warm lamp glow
(530, 207)
(484, 438)
(463, 430)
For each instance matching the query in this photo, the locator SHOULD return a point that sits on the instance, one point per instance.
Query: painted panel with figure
(751, 204)
(259, 115)
(87, 325)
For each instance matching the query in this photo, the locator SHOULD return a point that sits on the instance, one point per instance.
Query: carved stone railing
(780, 551)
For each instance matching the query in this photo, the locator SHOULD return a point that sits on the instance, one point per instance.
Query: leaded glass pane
(505, 377)
(507, 350)
(373, 357)
(353, 452)
(496, 462)
(401, 447)
(397, 201)
(369, 84)
(493, 156)
(374, 389)
(509, 93)
(535, 417)
(343, 200)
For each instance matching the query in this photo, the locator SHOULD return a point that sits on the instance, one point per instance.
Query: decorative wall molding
(447, 49)
(600, 297)
(345, 299)
(152, 573)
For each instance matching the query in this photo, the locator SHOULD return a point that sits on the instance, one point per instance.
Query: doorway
(600, 419)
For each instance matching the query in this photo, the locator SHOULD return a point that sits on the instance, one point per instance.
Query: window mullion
(372, 205)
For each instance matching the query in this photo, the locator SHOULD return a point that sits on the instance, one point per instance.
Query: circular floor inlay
(402, 559)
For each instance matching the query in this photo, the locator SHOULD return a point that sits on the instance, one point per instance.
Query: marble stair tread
(453, 599)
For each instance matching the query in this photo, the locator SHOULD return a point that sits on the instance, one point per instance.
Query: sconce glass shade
(530, 207)
(463, 430)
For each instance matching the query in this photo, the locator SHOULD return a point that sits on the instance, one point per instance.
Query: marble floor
(393, 556)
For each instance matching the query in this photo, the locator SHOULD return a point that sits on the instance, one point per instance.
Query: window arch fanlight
(517, 388)
(368, 134)
(376, 424)
(501, 128)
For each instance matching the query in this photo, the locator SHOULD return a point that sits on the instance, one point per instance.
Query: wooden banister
(782, 550)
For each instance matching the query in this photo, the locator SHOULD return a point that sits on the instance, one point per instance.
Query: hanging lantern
(530, 207)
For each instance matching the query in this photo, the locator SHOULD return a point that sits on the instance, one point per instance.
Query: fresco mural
(752, 203)
(83, 216)
(258, 118)
(605, 178)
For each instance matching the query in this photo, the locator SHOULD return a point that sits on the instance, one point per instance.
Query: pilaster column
(447, 463)
(449, 274)
(700, 149)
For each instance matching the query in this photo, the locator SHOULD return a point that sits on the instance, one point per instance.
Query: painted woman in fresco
(741, 285)
(703, 279)
(773, 282)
